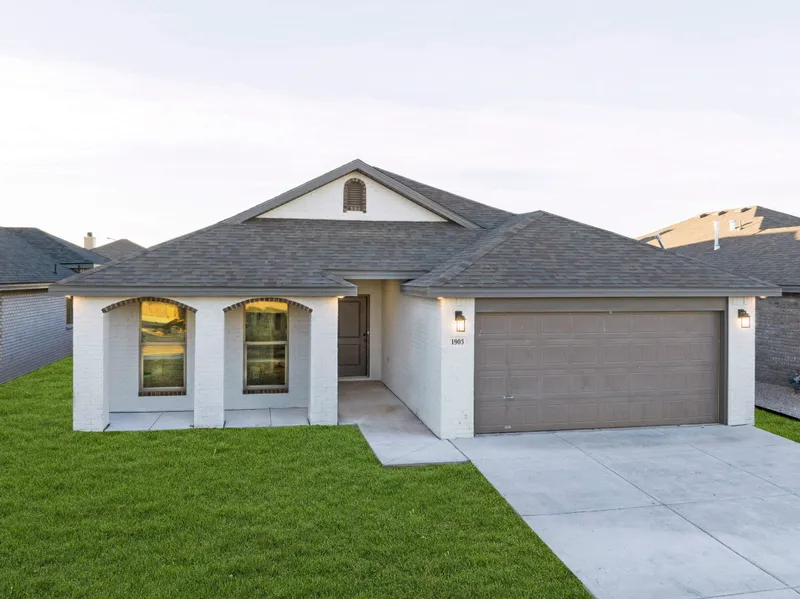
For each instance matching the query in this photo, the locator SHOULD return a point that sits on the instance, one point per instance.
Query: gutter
(477, 292)
(118, 291)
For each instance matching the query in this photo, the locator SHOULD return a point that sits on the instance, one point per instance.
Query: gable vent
(355, 196)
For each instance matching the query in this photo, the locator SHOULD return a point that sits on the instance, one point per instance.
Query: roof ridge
(652, 247)
(476, 250)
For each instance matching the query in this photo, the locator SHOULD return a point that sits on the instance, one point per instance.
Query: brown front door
(555, 371)
(354, 336)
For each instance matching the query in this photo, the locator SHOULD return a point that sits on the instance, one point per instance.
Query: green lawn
(293, 512)
(779, 425)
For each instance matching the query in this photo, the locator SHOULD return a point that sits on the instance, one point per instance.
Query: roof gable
(326, 203)
(356, 166)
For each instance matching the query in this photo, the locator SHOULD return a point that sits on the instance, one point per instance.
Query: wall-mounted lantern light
(744, 319)
(461, 322)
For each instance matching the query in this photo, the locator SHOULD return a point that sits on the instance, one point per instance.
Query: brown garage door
(559, 371)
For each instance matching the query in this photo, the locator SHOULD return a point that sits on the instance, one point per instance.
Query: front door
(354, 336)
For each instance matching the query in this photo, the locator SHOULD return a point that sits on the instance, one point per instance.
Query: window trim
(254, 389)
(156, 391)
(363, 200)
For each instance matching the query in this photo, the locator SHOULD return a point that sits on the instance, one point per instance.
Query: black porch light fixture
(744, 319)
(461, 322)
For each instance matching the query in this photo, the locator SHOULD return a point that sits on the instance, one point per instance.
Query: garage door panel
(596, 370)
(524, 324)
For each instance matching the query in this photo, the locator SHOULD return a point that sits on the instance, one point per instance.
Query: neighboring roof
(765, 243)
(29, 255)
(118, 249)
(540, 254)
(495, 254)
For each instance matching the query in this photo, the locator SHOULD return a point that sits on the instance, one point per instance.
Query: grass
(295, 512)
(778, 424)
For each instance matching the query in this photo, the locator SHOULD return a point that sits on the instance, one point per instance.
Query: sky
(149, 119)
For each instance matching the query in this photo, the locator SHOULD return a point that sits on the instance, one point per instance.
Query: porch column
(323, 400)
(209, 364)
(90, 339)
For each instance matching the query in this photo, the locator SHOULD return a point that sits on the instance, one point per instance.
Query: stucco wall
(326, 203)
(33, 332)
(741, 362)
(374, 289)
(778, 338)
(297, 397)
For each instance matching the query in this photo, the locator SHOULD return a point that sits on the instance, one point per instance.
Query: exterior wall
(741, 366)
(778, 338)
(33, 332)
(374, 289)
(423, 366)
(326, 202)
(299, 355)
(412, 353)
(107, 361)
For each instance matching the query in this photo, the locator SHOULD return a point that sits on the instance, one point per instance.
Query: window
(69, 311)
(162, 335)
(266, 326)
(355, 196)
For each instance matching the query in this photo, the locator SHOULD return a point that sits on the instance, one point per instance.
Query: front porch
(395, 435)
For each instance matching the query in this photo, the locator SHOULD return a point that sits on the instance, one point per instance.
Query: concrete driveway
(659, 513)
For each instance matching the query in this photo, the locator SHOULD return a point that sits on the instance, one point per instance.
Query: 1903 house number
(458, 341)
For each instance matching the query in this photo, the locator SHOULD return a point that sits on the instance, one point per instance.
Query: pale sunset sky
(148, 119)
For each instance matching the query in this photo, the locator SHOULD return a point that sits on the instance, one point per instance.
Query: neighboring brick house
(760, 243)
(35, 326)
(479, 320)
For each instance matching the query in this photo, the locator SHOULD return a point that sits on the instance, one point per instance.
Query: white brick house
(477, 319)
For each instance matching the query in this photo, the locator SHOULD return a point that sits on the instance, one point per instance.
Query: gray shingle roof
(764, 245)
(531, 253)
(118, 249)
(268, 253)
(29, 255)
(543, 251)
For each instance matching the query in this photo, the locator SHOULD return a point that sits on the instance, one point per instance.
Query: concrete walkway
(173, 421)
(395, 434)
(663, 513)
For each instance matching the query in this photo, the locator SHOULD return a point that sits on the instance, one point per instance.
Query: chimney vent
(88, 241)
(716, 235)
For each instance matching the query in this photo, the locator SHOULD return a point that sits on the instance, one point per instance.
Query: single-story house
(35, 327)
(760, 243)
(479, 320)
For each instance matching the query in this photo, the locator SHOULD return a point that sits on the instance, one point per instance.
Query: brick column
(323, 400)
(89, 377)
(209, 363)
(741, 362)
